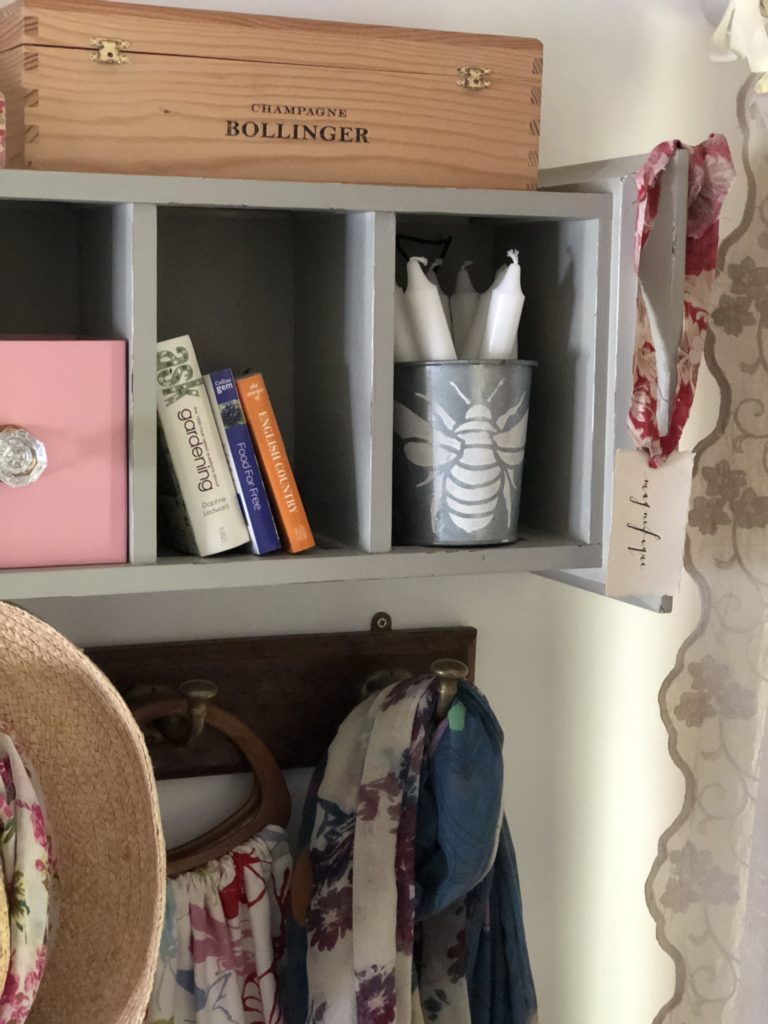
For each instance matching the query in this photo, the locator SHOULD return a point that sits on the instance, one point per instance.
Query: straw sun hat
(89, 760)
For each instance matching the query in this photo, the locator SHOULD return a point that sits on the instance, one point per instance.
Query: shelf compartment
(56, 269)
(287, 294)
(85, 270)
(563, 329)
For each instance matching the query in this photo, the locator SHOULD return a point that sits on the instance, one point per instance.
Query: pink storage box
(71, 394)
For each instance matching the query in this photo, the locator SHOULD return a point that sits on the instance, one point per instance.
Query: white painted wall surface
(573, 677)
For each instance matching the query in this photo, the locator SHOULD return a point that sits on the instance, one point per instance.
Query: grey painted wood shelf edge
(78, 187)
(170, 574)
(575, 228)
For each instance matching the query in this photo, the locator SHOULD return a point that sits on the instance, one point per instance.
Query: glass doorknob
(22, 456)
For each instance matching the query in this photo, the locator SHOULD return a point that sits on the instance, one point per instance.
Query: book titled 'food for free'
(238, 447)
(287, 506)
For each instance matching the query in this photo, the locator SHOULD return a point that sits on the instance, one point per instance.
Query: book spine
(175, 526)
(290, 516)
(195, 450)
(244, 466)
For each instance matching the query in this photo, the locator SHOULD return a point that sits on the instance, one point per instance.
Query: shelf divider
(134, 258)
(337, 290)
(383, 262)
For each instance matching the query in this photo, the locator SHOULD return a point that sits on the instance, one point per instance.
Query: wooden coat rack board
(292, 691)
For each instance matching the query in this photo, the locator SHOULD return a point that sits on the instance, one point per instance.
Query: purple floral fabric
(26, 867)
(362, 929)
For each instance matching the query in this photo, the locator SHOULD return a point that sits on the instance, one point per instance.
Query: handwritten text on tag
(650, 512)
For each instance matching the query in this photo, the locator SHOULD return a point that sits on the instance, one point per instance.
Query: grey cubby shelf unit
(296, 280)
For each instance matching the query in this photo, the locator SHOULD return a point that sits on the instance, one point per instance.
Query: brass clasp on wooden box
(109, 51)
(474, 78)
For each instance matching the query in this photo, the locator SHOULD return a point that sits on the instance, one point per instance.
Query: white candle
(463, 306)
(504, 311)
(406, 349)
(477, 327)
(432, 275)
(430, 328)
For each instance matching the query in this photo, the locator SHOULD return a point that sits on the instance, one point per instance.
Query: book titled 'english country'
(290, 516)
(238, 447)
(197, 500)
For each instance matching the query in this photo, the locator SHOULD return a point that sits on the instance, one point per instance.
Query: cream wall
(573, 677)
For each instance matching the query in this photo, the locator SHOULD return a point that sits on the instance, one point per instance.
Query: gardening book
(197, 498)
(238, 448)
(287, 506)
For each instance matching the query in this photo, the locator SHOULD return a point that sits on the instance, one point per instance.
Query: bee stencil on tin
(473, 460)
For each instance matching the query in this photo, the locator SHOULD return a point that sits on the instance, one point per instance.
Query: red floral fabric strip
(710, 174)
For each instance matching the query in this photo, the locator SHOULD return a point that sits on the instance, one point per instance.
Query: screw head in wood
(381, 621)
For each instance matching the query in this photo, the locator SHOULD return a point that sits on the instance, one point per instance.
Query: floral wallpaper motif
(714, 701)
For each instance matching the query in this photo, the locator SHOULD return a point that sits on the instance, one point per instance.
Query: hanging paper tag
(650, 513)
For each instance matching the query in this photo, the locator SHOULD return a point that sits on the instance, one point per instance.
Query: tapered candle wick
(428, 317)
(499, 338)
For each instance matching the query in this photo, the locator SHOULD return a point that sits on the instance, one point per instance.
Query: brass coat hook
(184, 731)
(199, 694)
(448, 672)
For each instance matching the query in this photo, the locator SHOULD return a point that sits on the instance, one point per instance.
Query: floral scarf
(221, 952)
(710, 174)
(403, 825)
(25, 860)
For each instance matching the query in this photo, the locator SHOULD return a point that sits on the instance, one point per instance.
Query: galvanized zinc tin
(459, 442)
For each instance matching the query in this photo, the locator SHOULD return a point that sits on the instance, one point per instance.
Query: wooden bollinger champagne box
(100, 86)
